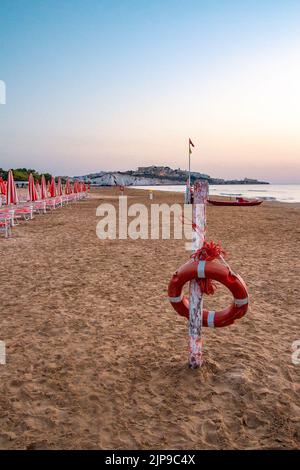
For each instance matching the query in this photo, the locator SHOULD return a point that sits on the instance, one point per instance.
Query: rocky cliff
(118, 179)
(155, 176)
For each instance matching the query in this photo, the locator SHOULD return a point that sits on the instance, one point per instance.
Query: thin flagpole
(189, 193)
(189, 164)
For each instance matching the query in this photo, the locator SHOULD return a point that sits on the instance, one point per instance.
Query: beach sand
(97, 357)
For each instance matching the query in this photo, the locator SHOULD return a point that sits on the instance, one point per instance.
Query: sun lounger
(5, 224)
(24, 212)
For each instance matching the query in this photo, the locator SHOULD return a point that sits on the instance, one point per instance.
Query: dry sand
(97, 358)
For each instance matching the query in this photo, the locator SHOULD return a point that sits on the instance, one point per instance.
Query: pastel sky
(115, 84)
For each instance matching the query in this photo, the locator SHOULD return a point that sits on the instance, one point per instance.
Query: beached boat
(239, 201)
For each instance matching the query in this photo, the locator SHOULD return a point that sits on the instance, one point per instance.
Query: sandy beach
(97, 357)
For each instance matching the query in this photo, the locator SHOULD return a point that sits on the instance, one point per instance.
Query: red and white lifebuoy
(217, 272)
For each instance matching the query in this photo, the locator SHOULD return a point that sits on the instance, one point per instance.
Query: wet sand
(97, 357)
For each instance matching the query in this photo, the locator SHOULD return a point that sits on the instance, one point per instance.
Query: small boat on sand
(239, 201)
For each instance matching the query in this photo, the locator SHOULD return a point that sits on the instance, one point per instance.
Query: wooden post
(195, 295)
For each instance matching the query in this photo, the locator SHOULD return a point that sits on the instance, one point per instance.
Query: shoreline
(265, 201)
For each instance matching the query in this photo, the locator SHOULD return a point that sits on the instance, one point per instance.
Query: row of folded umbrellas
(41, 197)
(39, 190)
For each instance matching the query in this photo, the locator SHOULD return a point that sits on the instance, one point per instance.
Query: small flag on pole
(190, 146)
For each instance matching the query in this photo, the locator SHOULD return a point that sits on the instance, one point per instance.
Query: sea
(289, 193)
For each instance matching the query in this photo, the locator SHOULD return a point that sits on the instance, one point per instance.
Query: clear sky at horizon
(115, 84)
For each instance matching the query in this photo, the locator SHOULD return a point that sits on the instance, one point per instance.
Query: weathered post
(195, 295)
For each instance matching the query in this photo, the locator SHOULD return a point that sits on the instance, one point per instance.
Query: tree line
(22, 174)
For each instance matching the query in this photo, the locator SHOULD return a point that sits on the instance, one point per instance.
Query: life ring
(217, 272)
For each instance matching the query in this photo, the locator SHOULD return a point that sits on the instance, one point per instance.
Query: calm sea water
(268, 192)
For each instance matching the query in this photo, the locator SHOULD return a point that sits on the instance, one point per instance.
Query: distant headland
(154, 176)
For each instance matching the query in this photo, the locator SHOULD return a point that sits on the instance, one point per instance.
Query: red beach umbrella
(43, 188)
(2, 186)
(11, 190)
(59, 187)
(68, 187)
(33, 196)
(38, 189)
(52, 188)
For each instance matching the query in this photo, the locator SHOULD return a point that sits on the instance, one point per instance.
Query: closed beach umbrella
(35, 193)
(52, 188)
(75, 188)
(43, 188)
(38, 189)
(33, 196)
(2, 186)
(11, 190)
(68, 188)
(59, 187)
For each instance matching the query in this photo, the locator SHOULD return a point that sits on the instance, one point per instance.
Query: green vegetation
(3, 174)
(21, 174)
